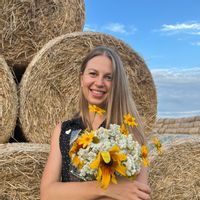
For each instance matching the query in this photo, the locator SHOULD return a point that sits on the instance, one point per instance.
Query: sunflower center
(110, 163)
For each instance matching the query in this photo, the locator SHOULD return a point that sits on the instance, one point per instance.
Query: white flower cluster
(107, 139)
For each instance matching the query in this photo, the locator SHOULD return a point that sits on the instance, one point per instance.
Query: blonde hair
(120, 101)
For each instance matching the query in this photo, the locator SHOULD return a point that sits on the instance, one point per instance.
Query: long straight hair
(120, 101)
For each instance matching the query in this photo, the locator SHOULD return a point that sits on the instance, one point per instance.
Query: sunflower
(158, 145)
(96, 109)
(107, 164)
(123, 129)
(128, 119)
(85, 139)
(73, 155)
(144, 153)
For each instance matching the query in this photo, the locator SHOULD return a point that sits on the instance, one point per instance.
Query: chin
(99, 104)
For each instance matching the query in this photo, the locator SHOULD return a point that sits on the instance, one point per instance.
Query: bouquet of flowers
(104, 154)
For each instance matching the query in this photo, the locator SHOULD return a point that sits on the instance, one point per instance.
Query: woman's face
(96, 80)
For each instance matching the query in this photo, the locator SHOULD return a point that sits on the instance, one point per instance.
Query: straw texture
(21, 167)
(26, 25)
(8, 102)
(175, 174)
(183, 125)
(49, 88)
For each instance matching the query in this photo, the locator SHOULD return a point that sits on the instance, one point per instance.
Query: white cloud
(116, 27)
(195, 33)
(175, 75)
(120, 28)
(112, 28)
(179, 114)
(196, 43)
(89, 28)
(189, 28)
(178, 91)
(181, 27)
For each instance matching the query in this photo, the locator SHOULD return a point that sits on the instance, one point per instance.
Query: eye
(108, 78)
(92, 74)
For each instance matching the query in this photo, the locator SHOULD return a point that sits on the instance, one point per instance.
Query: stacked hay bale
(175, 174)
(189, 125)
(27, 25)
(21, 169)
(8, 102)
(50, 86)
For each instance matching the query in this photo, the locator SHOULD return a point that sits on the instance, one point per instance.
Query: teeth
(97, 92)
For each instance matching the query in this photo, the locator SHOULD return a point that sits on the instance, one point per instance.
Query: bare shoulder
(52, 168)
(56, 134)
(57, 128)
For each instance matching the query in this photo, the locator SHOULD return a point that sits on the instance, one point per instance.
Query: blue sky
(167, 35)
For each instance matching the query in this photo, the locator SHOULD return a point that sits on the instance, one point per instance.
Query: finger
(143, 187)
(143, 195)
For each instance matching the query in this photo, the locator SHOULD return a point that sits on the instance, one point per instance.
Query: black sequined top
(69, 131)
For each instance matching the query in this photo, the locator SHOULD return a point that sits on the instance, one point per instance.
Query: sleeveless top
(70, 130)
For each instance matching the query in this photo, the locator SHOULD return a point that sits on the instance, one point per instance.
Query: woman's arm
(143, 175)
(52, 189)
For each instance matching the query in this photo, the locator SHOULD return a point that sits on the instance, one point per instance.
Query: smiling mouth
(97, 93)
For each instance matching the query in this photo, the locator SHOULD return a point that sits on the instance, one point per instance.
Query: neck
(96, 120)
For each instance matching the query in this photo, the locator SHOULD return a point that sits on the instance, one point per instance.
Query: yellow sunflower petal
(121, 169)
(85, 139)
(100, 111)
(91, 108)
(113, 178)
(144, 151)
(159, 150)
(116, 156)
(96, 109)
(105, 178)
(76, 162)
(99, 174)
(119, 157)
(106, 156)
(128, 119)
(74, 149)
(157, 144)
(156, 140)
(95, 163)
(114, 149)
(146, 162)
(123, 129)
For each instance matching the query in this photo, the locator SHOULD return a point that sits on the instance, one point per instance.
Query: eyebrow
(92, 69)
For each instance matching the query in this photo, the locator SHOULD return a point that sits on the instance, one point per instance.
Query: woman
(103, 83)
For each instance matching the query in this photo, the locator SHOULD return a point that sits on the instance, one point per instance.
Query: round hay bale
(167, 141)
(8, 102)
(175, 174)
(21, 169)
(26, 25)
(197, 118)
(49, 88)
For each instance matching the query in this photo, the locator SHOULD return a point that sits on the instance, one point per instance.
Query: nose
(99, 82)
